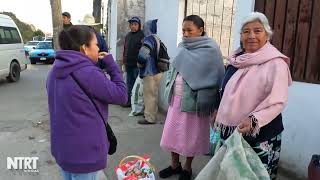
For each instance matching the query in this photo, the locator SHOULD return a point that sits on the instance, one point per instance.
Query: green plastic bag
(214, 141)
(235, 160)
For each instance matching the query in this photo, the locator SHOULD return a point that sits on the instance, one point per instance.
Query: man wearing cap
(89, 20)
(66, 18)
(132, 44)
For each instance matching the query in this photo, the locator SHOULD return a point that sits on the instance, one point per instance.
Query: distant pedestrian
(132, 44)
(192, 88)
(66, 19)
(89, 20)
(78, 96)
(147, 62)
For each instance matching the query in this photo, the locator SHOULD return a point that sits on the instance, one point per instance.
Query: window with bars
(218, 16)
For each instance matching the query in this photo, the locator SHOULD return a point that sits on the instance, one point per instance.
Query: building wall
(242, 10)
(218, 16)
(168, 13)
(301, 122)
(112, 28)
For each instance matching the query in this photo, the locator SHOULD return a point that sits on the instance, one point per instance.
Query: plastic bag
(234, 160)
(214, 141)
(137, 103)
(124, 76)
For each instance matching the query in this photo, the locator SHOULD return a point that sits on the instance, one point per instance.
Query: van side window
(15, 36)
(9, 35)
(2, 41)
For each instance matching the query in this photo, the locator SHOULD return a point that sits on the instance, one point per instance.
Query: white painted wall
(168, 13)
(113, 28)
(243, 8)
(301, 137)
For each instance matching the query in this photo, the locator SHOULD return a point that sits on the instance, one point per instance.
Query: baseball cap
(134, 19)
(66, 14)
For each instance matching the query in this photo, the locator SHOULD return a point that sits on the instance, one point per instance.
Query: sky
(38, 12)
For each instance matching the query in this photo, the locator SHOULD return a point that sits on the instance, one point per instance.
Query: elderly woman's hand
(245, 126)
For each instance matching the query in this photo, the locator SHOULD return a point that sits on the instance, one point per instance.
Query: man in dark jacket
(132, 44)
(66, 19)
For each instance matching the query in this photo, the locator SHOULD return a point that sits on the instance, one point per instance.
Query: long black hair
(75, 36)
(197, 20)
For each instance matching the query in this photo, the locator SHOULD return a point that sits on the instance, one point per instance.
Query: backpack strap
(158, 44)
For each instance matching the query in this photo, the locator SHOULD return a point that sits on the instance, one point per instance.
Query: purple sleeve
(111, 91)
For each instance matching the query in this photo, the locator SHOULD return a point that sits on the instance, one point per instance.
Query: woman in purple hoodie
(78, 135)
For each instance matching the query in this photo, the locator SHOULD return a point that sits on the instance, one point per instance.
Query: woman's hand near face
(103, 54)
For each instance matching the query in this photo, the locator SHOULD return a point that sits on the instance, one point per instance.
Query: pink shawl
(258, 88)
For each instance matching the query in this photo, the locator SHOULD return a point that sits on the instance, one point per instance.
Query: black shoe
(167, 172)
(185, 175)
(145, 122)
(138, 114)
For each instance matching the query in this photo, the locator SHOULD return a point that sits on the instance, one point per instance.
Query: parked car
(43, 52)
(30, 45)
(13, 58)
(49, 38)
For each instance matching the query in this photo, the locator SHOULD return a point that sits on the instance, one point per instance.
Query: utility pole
(56, 21)
(97, 10)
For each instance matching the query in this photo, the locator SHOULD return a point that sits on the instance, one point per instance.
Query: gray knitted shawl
(200, 63)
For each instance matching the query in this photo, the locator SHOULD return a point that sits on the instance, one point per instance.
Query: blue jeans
(79, 176)
(132, 74)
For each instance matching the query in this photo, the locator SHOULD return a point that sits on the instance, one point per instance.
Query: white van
(13, 58)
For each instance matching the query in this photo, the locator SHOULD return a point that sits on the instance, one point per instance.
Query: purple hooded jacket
(78, 136)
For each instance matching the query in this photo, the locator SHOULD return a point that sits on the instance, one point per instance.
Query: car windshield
(30, 43)
(44, 45)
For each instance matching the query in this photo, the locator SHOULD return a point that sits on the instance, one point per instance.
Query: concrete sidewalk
(133, 139)
(31, 141)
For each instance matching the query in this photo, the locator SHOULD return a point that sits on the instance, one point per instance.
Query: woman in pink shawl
(255, 91)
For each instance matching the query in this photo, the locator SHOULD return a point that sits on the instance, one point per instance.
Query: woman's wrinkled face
(253, 36)
(189, 29)
(91, 50)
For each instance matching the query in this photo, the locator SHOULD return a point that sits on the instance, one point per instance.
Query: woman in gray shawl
(191, 90)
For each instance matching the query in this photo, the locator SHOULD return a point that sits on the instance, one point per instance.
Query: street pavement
(24, 131)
